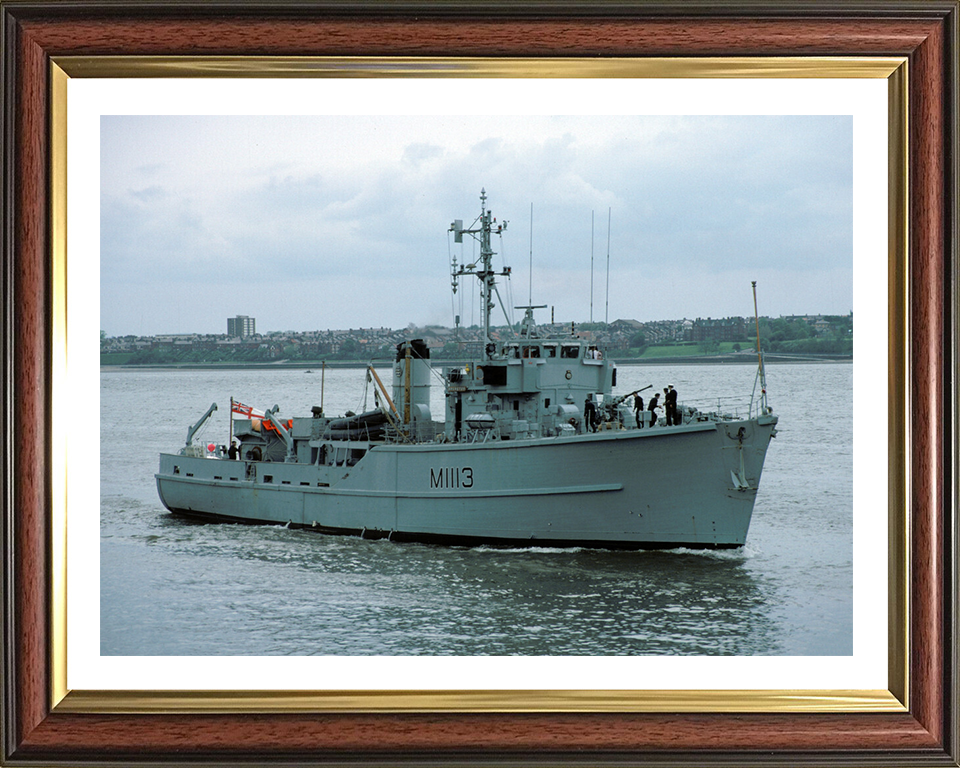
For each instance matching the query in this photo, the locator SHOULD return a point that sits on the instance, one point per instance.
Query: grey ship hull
(692, 485)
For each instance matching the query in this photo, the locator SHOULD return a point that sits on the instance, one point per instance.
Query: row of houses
(618, 335)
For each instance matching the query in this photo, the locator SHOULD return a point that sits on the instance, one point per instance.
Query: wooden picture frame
(40, 727)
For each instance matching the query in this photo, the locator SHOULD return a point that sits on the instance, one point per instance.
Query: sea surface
(170, 587)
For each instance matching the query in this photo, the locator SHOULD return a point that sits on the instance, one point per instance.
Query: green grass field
(686, 350)
(115, 358)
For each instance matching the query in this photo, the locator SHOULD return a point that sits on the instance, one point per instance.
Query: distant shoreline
(738, 359)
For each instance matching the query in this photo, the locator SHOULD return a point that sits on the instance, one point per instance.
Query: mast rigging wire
(606, 316)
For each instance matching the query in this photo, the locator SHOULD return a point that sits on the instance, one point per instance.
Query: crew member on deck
(638, 409)
(590, 414)
(654, 404)
(670, 404)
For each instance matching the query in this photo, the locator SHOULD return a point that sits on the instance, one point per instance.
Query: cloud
(417, 154)
(315, 204)
(149, 194)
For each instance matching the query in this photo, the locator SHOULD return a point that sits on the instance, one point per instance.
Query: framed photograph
(625, 617)
(151, 707)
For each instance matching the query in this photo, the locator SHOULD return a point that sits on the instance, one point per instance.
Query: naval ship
(535, 450)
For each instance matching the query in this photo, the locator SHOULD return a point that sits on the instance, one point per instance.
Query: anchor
(740, 480)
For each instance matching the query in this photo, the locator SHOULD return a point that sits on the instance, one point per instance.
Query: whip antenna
(530, 295)
(591, 266)
(606, 315)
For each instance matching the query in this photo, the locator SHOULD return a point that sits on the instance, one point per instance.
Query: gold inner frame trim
(59, 392)
(434, 701)
(304, 66)
(893, 69)
(899, 397)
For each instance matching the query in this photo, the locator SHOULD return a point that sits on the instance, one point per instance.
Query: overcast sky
(309, 223)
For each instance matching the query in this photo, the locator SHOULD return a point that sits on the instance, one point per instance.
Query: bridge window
(570, 351)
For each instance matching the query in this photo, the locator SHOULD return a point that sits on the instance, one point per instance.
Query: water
(170, 587)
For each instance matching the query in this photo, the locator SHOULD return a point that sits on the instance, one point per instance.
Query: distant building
(242, 326)
(725, 329)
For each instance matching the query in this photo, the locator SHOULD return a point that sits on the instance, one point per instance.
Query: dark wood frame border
(925, 32)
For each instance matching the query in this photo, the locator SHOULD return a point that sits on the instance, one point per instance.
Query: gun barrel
(631, 394)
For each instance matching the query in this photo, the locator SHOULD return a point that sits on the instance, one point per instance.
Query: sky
(333, 222)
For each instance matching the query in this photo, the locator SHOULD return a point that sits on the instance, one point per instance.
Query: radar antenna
(528, 328)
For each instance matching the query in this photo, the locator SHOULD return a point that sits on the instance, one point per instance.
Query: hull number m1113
(451, 477)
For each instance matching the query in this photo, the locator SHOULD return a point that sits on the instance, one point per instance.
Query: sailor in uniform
(670, 405)
(590, 414)
(654, 404)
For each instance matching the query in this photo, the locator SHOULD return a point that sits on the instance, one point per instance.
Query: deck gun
(609, 409)
(622, 398)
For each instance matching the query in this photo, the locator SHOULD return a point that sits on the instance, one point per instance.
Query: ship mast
(483, 268)
(760, 372)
